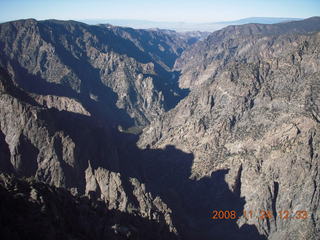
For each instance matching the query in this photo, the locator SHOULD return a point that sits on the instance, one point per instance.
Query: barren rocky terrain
(141, 134)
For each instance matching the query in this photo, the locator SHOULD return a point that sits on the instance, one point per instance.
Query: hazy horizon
(189, 11)
(178, 26)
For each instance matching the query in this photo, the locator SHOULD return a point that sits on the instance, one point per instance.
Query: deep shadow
(13, 90)
(28, 155)
(168, 84)
(34, 210)
(5, 164)
(167, 173)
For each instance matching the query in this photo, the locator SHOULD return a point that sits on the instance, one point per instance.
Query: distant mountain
(262, 20)
(186, 26)
(145, 24)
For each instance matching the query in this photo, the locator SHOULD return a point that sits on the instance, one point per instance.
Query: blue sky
(160, 10)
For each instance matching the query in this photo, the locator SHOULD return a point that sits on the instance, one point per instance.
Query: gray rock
(253, 111)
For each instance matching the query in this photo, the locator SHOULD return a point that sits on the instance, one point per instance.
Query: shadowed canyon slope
(34, 210)
(96, 65)
(243, 136)
(254, 109)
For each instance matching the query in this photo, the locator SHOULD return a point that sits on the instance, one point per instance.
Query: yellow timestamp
(260, 214)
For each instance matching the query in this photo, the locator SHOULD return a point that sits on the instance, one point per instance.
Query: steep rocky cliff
(253, 114)
(120, 74)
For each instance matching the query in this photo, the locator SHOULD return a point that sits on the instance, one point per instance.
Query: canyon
(112, 132)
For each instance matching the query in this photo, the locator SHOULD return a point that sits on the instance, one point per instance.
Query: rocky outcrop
(253, 113)
(61, 103)
(34, 210)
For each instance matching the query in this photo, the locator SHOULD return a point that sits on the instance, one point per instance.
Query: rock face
(253, 113)
(246, 138)
(33, 210)
(100, 66)
(65, 87)
(248, 43)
